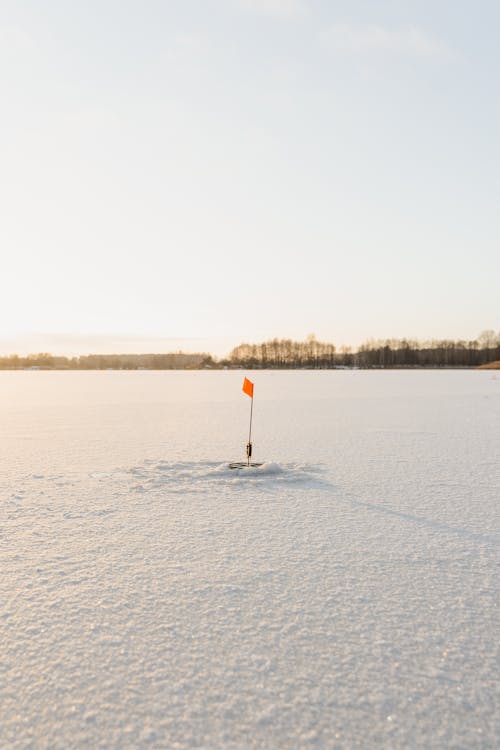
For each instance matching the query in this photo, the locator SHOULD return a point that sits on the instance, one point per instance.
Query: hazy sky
(215, 171)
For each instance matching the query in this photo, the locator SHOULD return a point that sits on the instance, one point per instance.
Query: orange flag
(248, 387)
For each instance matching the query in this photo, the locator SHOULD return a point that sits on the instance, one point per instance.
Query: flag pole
(249, 444)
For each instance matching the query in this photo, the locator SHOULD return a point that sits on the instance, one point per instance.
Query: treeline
(285, 353)
(45, 361)
(443, 353)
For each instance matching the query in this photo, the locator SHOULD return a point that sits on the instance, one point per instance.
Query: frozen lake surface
(343, 596)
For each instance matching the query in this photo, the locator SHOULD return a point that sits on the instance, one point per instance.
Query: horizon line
(490, 339)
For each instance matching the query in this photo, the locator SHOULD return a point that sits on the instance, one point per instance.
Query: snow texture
(343, 595)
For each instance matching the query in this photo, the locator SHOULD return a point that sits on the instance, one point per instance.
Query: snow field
(344, 599)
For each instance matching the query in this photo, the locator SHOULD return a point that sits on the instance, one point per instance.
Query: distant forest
(173, 361)
(286, 354)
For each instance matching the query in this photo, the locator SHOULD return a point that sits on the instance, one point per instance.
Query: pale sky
(194, 174)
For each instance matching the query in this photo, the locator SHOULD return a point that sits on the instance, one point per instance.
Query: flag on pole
(248, 387)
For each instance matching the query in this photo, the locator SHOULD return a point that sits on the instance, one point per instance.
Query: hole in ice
(198, 476)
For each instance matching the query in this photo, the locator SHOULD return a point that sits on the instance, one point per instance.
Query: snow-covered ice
(343, 595)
